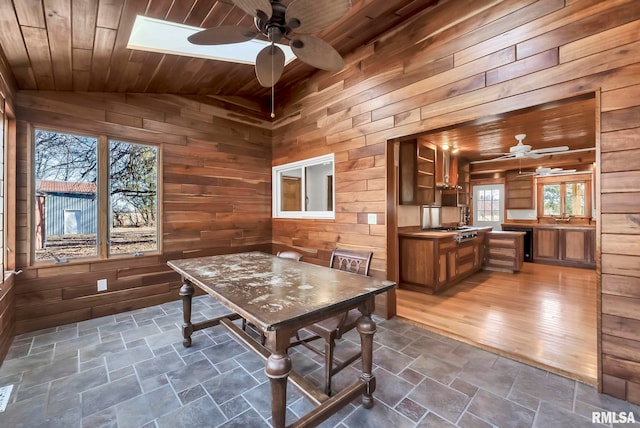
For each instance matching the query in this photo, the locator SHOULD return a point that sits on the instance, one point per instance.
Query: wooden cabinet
(431, 265)
(417, 173)
(504, 251)
(578, 246)
(569, 246)
(458, 176)
(464, 260)
(546, 244)
(520, 192)
(464, 181)
(417, 267)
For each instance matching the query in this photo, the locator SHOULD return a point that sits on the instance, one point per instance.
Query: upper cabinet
(464, 181)
(417, 173)
(520, 191)
(453, 179)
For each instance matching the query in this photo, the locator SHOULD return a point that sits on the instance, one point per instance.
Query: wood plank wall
(216, 198)
(7, 293)
(441, 70)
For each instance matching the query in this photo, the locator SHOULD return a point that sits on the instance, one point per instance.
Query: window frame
(562, 180)
(4, 140)
(497, 201)
(104, 203)
(276, 188)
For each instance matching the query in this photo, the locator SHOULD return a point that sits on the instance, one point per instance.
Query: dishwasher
(528, 240)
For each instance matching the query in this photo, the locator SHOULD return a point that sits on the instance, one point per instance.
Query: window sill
(88, 260)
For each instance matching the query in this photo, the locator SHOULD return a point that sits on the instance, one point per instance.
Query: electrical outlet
(372, 219)
(102, 285)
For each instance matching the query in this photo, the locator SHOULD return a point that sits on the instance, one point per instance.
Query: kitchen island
(433, 261)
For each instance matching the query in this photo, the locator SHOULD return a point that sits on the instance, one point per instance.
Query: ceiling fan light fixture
(277, 21)
(274, 33)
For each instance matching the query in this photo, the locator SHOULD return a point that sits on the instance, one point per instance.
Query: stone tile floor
(130, 370)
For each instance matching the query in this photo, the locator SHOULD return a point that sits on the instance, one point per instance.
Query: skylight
(155, 35)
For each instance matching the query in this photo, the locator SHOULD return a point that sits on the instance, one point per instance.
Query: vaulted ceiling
(80, 45)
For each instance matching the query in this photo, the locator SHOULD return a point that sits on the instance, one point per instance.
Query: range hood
(446, 184)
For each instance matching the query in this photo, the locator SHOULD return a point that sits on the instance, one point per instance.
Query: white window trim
(276, 189)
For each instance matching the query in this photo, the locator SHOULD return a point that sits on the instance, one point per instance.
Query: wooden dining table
(279, 297)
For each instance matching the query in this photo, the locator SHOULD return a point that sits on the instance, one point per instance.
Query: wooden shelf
(417, 173)
(520, 192)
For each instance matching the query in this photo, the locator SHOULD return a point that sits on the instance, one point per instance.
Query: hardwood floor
(543, 315)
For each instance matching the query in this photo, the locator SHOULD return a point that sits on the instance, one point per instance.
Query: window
(304, 189)
(91, 205)
(155, 35)
(566, 196)
(488, 208)
(4, 121)
(488, 205)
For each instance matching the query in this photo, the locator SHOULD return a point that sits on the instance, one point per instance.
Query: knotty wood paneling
(216, 198)
(503, 57)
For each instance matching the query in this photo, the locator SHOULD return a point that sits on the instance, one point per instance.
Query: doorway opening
(488, 308)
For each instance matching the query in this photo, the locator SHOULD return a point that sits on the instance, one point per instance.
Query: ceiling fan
(521, 150)
(542, 171)
(276, 21)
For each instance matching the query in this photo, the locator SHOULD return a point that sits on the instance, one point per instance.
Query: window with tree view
(565, 198)
(93, 196)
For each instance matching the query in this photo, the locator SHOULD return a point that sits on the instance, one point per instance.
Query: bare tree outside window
(66, 208)
(67, 197)
(133, 188)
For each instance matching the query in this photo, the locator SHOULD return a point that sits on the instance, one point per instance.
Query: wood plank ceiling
(80, 45)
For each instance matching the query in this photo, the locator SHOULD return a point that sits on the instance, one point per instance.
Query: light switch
(372, 219)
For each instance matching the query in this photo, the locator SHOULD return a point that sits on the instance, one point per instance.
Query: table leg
(186, 292)
(367, 328)
(277, 369)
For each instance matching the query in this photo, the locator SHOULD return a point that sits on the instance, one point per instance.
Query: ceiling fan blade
(499, 158)
(310, 16)
(317, 53)
(551, 149)
(495, 154)
(532, 155)
(222, 35)
(257, 8)
(269, 65)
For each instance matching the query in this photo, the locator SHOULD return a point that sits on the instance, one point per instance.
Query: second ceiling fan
(276, 21)
(521, 150)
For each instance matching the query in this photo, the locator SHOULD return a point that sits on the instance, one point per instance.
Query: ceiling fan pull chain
(273, 87)
(273, 114)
